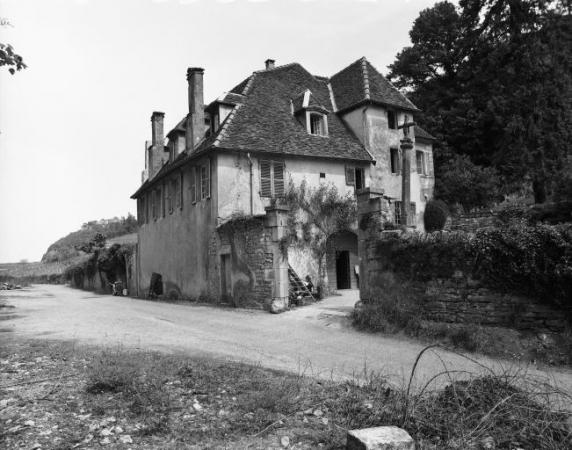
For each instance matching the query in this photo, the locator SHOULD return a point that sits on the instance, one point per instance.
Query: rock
(105, 441)
(29, 423)
(308, 412)
(88, 438)
(318, 412)
(126, 439)
(379, 438)
(118, 430)
(105, 432)
(197, 406)
(35, 446)
(488, 443)
(279, 305)
(3, 404)
(325, 420)
(285, 441)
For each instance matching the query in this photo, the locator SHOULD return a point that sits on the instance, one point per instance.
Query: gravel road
(316, 340)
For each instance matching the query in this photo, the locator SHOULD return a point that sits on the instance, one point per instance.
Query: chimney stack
(156, 150)
(196, 118)
(269, 64)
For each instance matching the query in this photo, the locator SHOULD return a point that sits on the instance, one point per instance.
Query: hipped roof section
(360, 82)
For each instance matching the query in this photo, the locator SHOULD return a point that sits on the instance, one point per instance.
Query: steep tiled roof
(361, 82)
(264, 122)
(421, 133)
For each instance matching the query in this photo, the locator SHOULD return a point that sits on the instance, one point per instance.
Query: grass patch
(86, 397)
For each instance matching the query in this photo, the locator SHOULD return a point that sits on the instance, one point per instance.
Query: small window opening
(394, 160)
(391, 122)
(360, 184)
(421, 165)
(322, 175)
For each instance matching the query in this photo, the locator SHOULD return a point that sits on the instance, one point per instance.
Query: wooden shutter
(206, 180)
(265, 178)
(350, 176)
(154, 203)
(278, 167)
(180, 191)
(193, 184)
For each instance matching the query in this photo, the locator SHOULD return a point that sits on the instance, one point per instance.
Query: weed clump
(395, 309)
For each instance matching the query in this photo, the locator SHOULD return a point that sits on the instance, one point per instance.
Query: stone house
(230, 158)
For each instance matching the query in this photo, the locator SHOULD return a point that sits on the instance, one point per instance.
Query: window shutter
(265, 179)
(206, 180)
(278, 178)
(350, 175)
(154, 204)
(180, 191)
(193, 185)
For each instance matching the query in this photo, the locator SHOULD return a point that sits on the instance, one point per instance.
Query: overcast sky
(73, 125)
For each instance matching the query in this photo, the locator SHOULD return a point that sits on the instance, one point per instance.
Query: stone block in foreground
(379, 438)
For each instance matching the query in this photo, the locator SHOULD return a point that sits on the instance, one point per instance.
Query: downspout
(251, 186)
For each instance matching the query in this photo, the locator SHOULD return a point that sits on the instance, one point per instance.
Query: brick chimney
(269, 64)
(157, 148)
(196, 117)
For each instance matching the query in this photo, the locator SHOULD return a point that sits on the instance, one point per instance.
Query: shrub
(531, 259)
(394, 310)
(435, 215)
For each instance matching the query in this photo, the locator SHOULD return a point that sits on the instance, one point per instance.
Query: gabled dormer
(309, 112)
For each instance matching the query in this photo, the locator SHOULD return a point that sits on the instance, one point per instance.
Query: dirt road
(316, 340)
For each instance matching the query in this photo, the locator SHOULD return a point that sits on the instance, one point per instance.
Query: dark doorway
(343, 269)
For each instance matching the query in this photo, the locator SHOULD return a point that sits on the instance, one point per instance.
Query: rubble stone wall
(463, 300)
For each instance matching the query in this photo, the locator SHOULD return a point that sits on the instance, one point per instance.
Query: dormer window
(317, 124)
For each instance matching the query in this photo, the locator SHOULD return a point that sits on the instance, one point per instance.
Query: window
(161, 202)
(355, 177)
(317, 125)
(421, 158)
(322, 177)
(206, 180)
(179, 191)
(391, 120)
(154, 204)
(398, 215)
(395, 160)
(193, 184)
(168, 199)
(271, 178)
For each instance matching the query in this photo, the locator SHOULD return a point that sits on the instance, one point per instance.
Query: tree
(464, 183)
(317, 216)
(494, 79)
(7, 55)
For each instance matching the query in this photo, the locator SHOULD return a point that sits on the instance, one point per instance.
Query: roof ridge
(283, 66)
(347, 67)
(249, 83)
(365, 74)
(224, 129)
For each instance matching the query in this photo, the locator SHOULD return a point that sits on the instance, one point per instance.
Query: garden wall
(470, 223)
(460, 278)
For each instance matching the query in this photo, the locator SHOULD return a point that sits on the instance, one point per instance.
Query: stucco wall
(234, 176)
(177, 245)
(370, 124)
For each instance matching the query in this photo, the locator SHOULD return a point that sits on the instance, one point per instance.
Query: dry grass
(178, 402)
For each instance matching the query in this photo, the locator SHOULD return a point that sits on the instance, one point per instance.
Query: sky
(74, 123)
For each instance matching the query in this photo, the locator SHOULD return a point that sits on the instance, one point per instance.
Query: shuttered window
(168, 199)
(179, 191)
(271, 178)
(193, 184)
(351, 176)
(206, 180)
(154, 204)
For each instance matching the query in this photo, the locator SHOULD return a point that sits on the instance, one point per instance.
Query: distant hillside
(66, 248)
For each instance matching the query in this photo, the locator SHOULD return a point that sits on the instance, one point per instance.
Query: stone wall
(464, 300)
(459, 296)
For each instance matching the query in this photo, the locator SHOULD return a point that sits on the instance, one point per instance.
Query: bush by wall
(533, 260)
(435, 215)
